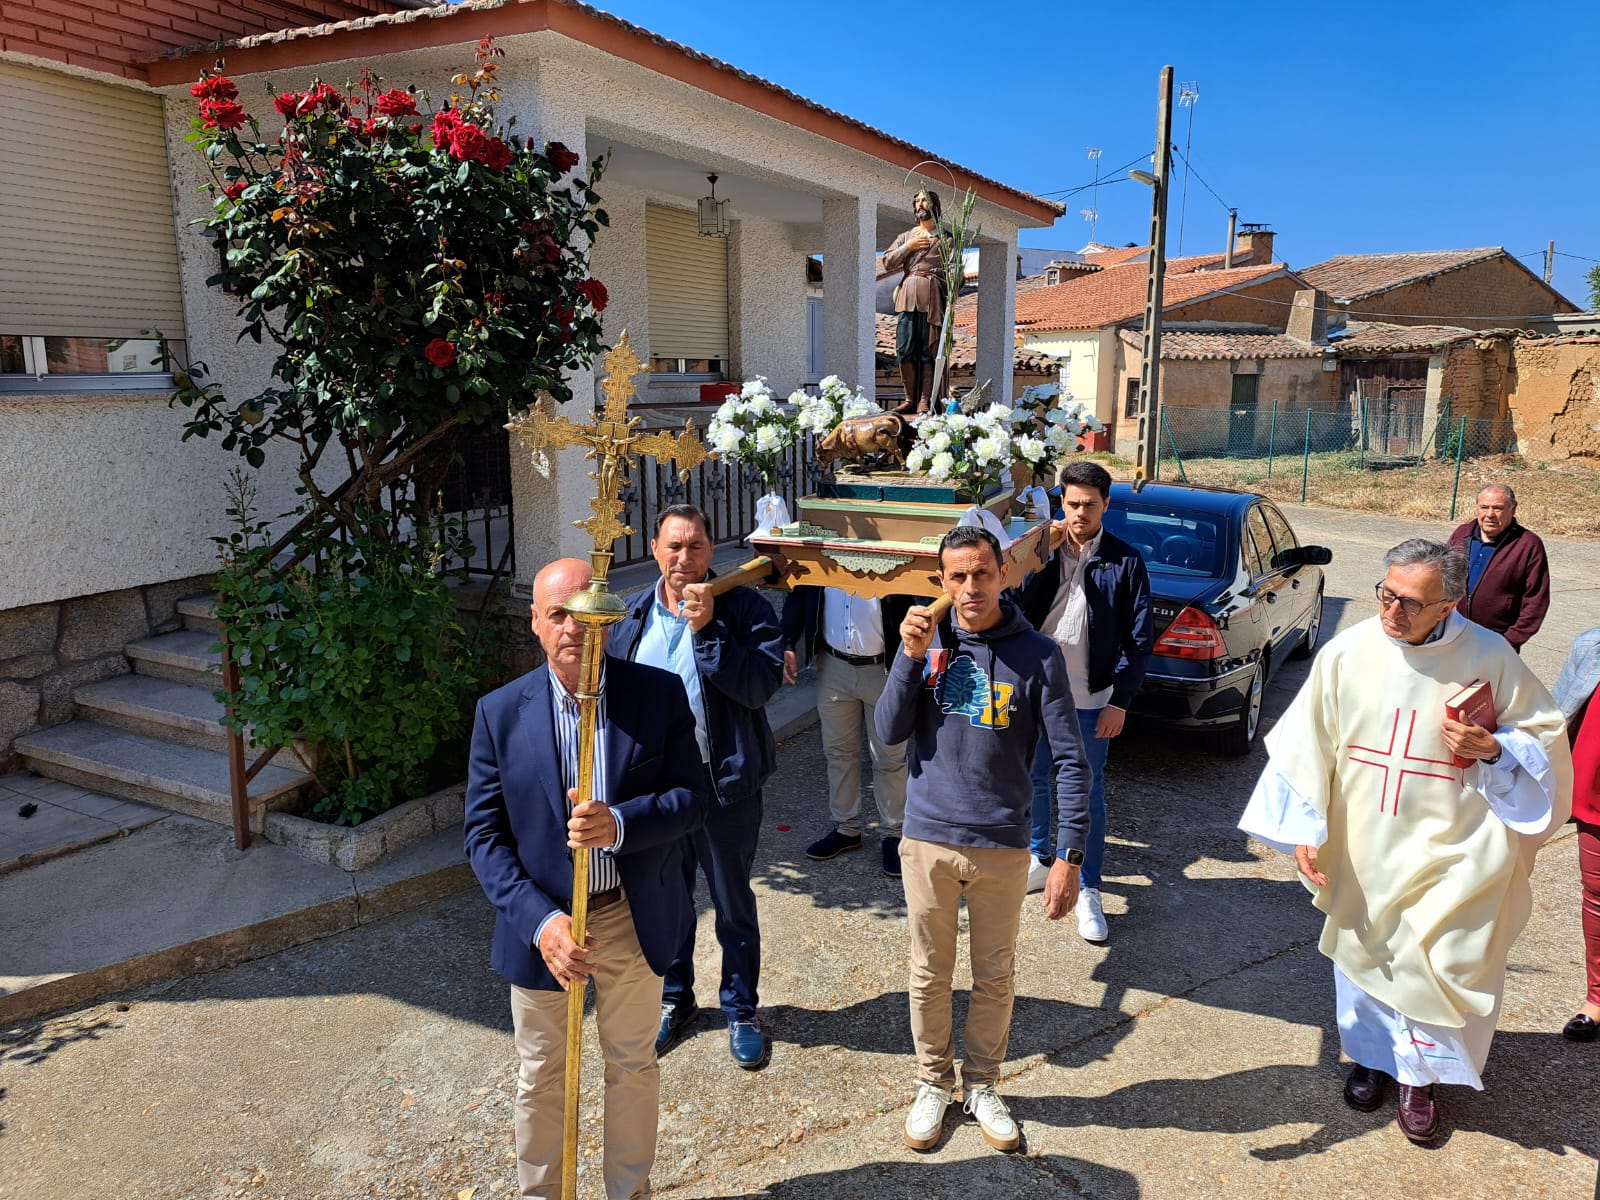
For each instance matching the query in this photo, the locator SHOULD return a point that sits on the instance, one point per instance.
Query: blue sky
(1351, 128)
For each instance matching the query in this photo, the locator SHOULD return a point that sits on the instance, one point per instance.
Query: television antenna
(1092, 214)
(1188, 97)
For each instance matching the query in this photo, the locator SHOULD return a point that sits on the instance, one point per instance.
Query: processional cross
(612, 443)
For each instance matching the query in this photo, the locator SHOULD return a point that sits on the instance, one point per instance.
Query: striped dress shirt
(603, 874)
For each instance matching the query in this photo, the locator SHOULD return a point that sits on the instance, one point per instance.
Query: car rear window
(1170, 539)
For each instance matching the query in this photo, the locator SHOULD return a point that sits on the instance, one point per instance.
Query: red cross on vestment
(1408, 763)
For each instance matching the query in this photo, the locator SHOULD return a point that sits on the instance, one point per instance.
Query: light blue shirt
(666, 642)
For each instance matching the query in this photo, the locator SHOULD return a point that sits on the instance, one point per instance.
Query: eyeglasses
(1409, 605)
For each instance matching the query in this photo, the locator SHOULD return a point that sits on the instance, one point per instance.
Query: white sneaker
(925, 1121)
(1037, 874)
(1091, 916)
(999, 1130)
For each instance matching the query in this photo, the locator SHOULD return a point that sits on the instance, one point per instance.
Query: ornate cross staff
(611, 441)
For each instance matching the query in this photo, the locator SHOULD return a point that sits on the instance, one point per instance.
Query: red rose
(236, 189)
(468, 142)
(288, 104)
(221, 114)
(445, 124)
(353, 124)
(395, 103)
(552, 252)
(497, 155)
(325, 95)
(440, 353)
(214, 87)
(562, 159)
(595, 293)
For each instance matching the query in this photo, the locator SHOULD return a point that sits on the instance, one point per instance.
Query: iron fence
(1307, 453)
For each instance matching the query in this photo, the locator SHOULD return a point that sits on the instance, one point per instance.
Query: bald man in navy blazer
(522, 827)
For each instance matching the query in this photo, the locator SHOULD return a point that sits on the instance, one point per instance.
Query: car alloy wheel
(1238, 738)
(1308, 646)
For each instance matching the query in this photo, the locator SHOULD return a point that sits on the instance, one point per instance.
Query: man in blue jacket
(975, 694)
(728, 651)
(523, 824)
(1093, 599)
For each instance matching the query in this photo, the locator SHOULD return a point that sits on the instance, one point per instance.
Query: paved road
(1192, 1056)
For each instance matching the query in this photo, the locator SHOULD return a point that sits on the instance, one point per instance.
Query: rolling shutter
(87, 247)
(687, 276)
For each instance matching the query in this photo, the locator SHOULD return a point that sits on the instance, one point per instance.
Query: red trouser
(1589, 867)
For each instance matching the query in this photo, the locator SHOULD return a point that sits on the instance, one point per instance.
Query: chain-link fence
(1394, 454)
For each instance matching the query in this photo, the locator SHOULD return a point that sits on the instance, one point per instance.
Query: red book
(1473, 705)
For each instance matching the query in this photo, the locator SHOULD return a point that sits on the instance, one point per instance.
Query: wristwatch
(1074, 858)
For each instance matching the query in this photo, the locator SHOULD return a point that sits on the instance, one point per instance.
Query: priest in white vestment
(1421, 866)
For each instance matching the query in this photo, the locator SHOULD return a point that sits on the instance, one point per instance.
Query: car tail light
(1192, 634)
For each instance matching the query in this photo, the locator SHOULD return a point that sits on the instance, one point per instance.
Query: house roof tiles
(963, 355)
(479, 18)
(1379, 338)
(1228, 344)
(1117, 294)
(1360, 276)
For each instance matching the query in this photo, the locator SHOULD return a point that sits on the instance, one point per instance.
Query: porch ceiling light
(713, 213)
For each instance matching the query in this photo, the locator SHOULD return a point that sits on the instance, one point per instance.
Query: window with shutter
(88, 252)
(687, 280)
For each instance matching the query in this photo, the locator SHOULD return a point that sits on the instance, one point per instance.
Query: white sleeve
(1520, 787)
(1280, 816)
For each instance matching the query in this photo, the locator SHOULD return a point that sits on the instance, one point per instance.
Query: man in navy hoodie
(974, 694)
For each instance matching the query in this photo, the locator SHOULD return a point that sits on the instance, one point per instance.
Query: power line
(1579, 257)
(1226, 207)
(1105, 179)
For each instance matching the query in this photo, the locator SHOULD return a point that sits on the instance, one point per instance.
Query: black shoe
(1419, 1114)
(751, 1049)
(891, 856)
(1366, 1088)
(676, 1021)
(1581, 1028)
(832, 844)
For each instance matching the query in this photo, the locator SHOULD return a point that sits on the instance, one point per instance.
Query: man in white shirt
(852, 639)
(1093, 599)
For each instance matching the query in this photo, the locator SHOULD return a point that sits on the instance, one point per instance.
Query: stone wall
(48, 650)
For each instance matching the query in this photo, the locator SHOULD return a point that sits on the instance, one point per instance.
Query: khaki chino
(627, 1005)
(994, 882)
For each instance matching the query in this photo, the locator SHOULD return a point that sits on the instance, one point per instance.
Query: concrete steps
(136, 766)
(157, 736)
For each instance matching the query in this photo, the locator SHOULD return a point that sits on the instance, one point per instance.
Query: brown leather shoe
(1419, 1115)
(1366, 1088)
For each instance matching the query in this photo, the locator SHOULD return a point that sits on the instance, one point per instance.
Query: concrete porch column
(997, 315)
(551, 490)
(849, 253)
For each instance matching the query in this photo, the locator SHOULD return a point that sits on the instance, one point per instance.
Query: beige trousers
(627, 1003)
(994, 882)
(847, 698)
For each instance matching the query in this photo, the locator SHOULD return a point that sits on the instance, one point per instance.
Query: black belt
(855, 660)
(605, 899)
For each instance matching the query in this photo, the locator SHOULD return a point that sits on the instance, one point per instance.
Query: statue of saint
(919, 300)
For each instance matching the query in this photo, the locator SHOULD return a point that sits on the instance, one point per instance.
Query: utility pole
(1233, 236)
(1549, 260)
(1145, 463)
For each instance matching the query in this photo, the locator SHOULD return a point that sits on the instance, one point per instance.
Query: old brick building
(1476, 289)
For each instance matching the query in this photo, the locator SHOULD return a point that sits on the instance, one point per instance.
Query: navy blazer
(516, 812)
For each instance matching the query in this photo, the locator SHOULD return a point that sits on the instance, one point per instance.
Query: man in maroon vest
(1508, 579)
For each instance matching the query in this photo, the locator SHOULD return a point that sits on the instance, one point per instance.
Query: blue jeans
(725, 849)
(1043, 844)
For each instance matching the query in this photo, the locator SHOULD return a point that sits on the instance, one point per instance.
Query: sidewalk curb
(234, 946)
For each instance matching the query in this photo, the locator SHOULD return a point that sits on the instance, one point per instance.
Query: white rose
(917, 459)
(831, 381)
(859, 406)
(1057, 438)
(942, 465)
(999, 413)
(754, 387)
(1031, 448)
(726, 439)
(939, 441)
(987, 449)
(957, 421)
(768, 438)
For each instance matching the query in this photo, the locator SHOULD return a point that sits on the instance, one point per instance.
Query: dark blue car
(1233, 593)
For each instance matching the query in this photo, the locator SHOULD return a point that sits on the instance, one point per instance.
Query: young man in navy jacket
(728, 651)
(1093, 599)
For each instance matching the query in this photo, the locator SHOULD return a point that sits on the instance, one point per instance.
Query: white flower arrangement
(971, 450)
(835, 402)
(1047, 428)
(754, 429)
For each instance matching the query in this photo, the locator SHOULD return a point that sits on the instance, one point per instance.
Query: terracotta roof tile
(1112, 256)
(489, 8)
(1117, 294)
(966, 315)
(1359, 276)
(1226, 344)
(1376, 337)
